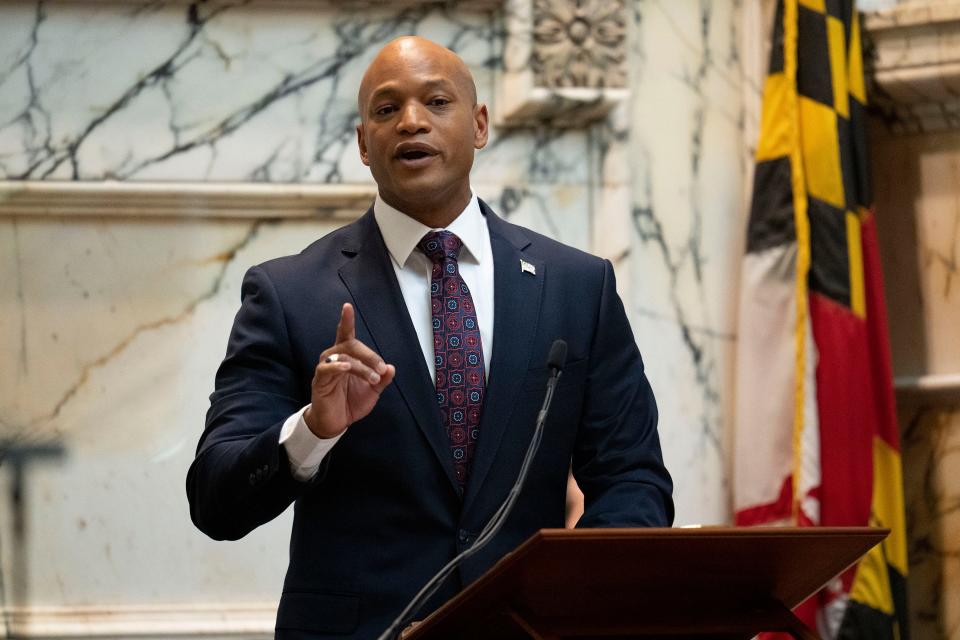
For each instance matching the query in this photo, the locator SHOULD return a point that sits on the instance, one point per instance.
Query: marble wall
(688, 136)
(918, 221)
(111, 326)
(918, 216)
(931, 459)
(228, 92)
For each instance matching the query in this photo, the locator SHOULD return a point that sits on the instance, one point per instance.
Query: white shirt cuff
(304, 449)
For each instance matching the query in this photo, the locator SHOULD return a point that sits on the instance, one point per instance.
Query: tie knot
(441, 245)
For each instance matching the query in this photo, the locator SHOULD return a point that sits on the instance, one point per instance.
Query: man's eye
(384, 110)
(439, 102)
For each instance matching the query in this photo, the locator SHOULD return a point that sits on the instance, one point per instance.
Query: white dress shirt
(401, 233)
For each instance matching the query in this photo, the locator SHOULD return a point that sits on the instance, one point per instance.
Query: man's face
(420, 126)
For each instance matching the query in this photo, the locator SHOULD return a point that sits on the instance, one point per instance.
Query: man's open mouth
(415, 152)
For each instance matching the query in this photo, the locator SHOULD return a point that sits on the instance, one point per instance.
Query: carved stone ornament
(579, 44)
(564, 62)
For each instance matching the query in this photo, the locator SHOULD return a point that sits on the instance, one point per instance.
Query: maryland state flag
(816, 433)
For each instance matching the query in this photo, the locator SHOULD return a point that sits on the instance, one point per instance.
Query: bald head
(419, 127)
(419, 53)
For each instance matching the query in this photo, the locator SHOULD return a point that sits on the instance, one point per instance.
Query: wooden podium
(644, 583)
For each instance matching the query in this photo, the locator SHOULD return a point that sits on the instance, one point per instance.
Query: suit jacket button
(462, 537)
(253, 480)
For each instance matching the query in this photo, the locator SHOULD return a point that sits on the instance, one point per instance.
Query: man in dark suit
(432, 318)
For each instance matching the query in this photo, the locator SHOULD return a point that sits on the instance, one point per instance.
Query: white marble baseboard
(210, 620)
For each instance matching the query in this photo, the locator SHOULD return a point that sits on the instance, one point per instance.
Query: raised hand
(347, 381)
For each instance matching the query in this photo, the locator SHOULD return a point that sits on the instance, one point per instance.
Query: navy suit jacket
(384, 512)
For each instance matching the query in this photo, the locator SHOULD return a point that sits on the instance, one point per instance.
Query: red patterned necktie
(458, 353)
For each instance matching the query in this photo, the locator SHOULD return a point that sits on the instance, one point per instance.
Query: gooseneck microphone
(555, 361)
(557, 357)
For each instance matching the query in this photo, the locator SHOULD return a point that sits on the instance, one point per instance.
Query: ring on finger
(333, 357)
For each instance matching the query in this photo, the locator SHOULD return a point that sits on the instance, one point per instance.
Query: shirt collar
(401, 233)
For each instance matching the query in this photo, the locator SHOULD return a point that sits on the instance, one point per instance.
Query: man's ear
(481, 126)
(362, 145)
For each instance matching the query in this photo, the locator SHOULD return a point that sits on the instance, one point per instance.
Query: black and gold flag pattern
(821, 446)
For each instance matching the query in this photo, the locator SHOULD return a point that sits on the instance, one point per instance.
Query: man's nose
(413, 119)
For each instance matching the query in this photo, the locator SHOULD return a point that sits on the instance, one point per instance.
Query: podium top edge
(712, 531)
(784, 564)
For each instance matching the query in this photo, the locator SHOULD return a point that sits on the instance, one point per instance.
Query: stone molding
(914, 69)
(935, 388)
(564, 63)
(564, 66)
(214, 620)
(462, 5)
(184, 199)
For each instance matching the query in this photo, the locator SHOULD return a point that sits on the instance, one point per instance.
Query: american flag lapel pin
(526, 267)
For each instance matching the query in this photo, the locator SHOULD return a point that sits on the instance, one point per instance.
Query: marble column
(685, 240)
(931, 459)
(918, 222)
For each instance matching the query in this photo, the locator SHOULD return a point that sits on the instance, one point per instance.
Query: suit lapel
(516, 311)
(372, 282)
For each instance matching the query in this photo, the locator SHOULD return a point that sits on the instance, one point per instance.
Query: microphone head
(558, 355)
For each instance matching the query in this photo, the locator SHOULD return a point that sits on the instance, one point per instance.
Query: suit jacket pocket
(322, 612)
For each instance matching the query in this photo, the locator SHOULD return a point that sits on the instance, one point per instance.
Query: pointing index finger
(346, 328)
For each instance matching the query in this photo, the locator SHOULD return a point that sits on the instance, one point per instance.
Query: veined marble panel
(918, 225)
(611, 227)
(196, 92)
(111, 327)
(223, 92)
(686, 145)
(558, 211)
(875, 5)
(931, 470)
(112, 333)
